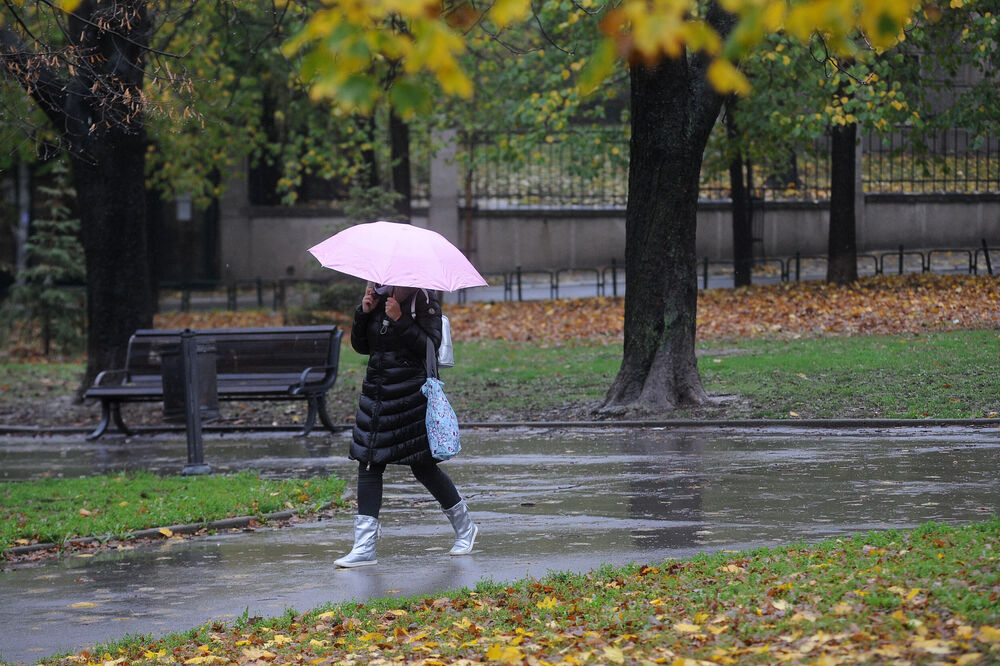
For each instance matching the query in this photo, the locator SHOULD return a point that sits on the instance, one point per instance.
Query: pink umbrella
(398, 254)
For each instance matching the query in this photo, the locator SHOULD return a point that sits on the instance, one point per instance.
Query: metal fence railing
(588, 168)
(952, 161)
(582, 168)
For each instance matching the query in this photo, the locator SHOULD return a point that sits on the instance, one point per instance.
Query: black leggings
(429, 474)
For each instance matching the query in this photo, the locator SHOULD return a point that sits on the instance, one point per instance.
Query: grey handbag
(446, 353)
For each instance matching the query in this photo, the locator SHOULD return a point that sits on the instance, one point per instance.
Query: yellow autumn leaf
(207, 659)
(726, 79)
(83, 604)
(548, 602)
(280, 639)
(505, 12)
(506, 655)
(165, 532)
(988, 634)
(329, 615)
(685, 628)
(370, 637)
(614, 655)
(932, 645)
(780, 604)
(257, 654)
(968, 658)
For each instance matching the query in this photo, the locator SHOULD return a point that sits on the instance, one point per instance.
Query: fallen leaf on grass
(988, 634)
(685, 628)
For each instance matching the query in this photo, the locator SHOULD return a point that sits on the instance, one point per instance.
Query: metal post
(986, 253)
(798, 266)
(614, 278)
(900, 259)
(704, 273)
(260, 293)
(519, 299)
(192, 405)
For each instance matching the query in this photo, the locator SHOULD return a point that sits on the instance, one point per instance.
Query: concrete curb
(742, 423)
(155, 533)
(36, 431)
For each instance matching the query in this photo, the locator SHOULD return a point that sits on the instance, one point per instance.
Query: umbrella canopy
(398, 254)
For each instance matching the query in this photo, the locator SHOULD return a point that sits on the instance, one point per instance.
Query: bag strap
(432, 363)
(413, 303)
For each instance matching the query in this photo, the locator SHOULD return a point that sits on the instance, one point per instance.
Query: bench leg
(116, 413)
(310, 418)
(323, 416)
(110, 411)
(105, 420)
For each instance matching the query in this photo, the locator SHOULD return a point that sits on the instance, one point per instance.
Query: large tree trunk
(673, 111)
(842, 263)
(95, 105)
(110, 185)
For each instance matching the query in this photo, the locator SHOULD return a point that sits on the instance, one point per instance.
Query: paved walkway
(559, 499)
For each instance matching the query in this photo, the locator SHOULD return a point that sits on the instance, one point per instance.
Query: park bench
(280, 363)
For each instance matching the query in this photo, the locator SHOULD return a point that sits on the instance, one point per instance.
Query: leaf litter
(880, 305)
(871, 306)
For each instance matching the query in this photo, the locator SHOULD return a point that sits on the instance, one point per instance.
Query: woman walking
(392, 326)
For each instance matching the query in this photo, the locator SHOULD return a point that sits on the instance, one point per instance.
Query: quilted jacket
(389, 425)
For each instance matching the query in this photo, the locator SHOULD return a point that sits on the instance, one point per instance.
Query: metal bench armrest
(110, 377)
(329, 376)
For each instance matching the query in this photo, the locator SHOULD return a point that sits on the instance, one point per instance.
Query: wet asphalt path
(545, 500)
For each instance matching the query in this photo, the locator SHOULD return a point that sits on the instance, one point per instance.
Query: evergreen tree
(40, 307)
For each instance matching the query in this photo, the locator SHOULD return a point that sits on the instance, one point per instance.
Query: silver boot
(465, 529)
(366, 531)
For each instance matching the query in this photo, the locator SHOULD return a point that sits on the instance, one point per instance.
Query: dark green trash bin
(175, 382)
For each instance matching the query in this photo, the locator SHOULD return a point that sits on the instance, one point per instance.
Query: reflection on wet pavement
(545, 500)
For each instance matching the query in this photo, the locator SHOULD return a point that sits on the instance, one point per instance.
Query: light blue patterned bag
(442, 423)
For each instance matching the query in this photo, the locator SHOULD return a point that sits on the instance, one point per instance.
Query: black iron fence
(579, 168)
(588, 168)
(953, 161)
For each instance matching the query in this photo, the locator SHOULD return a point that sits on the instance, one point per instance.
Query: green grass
(494, 378)
(920, 596)
(54, 510)
(934, 375)
(939, 375)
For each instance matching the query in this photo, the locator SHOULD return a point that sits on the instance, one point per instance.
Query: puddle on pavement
(545, 500)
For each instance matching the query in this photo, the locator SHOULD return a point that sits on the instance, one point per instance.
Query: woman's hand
(370, 300)
(392, 308)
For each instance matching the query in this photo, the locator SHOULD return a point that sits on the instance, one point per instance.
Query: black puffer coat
(389, 426)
